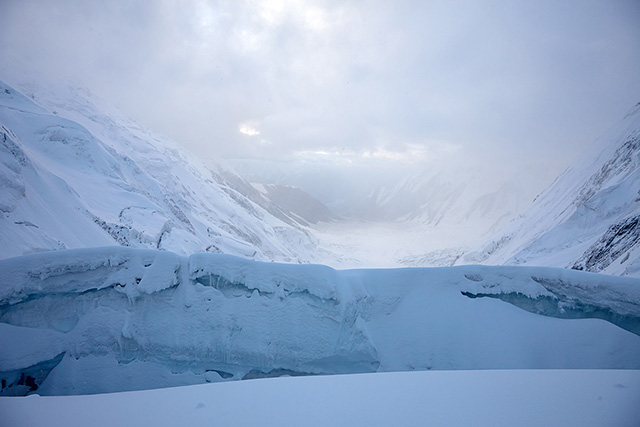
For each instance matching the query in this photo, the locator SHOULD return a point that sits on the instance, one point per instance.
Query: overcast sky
(354, 81)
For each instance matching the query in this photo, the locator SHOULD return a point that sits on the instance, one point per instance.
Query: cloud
(248, 129)
(273, 79)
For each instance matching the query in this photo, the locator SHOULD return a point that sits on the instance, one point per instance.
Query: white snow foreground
(442, 398)
(115, 319)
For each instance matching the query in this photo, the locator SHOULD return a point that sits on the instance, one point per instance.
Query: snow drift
(113, 319)
(489, 398)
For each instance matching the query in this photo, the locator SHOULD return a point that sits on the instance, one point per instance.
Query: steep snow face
(75, 174)
(113, 319)
(587, 219)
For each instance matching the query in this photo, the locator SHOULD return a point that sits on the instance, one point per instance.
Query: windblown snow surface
(489, 398)
(115, 319)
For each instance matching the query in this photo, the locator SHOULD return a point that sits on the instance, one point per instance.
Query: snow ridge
(75, 174)
(587, 219)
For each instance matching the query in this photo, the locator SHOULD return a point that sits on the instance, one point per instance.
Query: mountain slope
(76, 174)
(587, 219)
(297, 203)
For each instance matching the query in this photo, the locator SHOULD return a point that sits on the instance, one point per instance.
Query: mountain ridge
(77, 176)
(581, 218)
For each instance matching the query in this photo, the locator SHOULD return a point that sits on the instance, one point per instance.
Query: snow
(114, 319)
(577, 220)
(478, 398)
(368, 244)
(75, 173)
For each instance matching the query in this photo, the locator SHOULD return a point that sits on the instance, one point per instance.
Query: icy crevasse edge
(127, 319)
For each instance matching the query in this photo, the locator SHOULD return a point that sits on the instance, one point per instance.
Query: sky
(347, 82)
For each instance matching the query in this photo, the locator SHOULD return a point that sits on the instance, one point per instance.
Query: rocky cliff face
(618, 240)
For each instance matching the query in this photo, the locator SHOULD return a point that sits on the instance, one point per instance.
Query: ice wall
(113, 319)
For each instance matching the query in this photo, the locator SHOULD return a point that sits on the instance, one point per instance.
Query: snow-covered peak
(77, 173)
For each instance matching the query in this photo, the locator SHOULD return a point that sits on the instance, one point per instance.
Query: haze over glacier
(454, 119)
(155, 194)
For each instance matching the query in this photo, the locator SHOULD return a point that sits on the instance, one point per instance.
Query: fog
(347, 92)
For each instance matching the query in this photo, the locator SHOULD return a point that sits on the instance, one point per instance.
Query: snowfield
(444, 398)
(116, 319)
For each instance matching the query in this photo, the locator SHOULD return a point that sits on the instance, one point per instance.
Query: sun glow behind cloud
(410, 154)
(274, 12)
(277, 79)
(248, 129)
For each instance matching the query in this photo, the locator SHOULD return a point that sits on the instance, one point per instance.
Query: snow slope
(442, 398)
(588, 219)
(297, 203)
(74, 173)
(115, 319)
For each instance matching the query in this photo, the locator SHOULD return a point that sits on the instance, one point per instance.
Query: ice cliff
(112, 319)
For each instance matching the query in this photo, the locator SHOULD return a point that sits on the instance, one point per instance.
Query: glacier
(85, 321)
